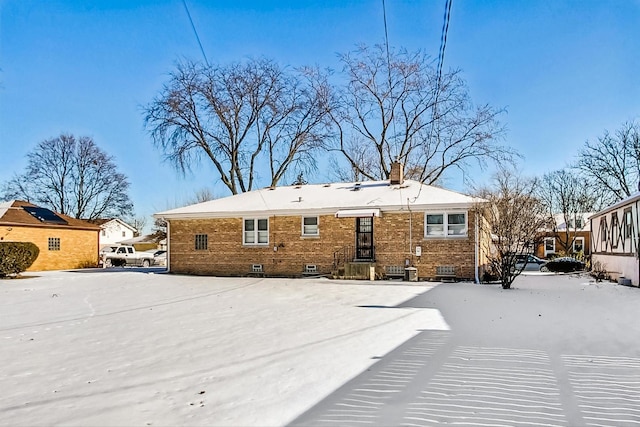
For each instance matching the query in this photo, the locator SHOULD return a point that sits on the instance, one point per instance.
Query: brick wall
(78, 248)
(393, 241)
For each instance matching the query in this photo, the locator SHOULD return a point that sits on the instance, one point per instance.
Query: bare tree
(613, 161)
(398, 107)
(139, 223)
(512, 219)
(202, 195)
(243, 118)
(566, 193)
(72, 176)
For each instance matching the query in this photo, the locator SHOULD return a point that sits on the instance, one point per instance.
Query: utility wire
(443, 41)
(184, 2)
(386, 43)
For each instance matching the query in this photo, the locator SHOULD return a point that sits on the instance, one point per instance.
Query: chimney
(396, 176)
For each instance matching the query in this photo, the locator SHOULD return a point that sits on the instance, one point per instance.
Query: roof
(21, 213)
(632, 198)
(147, 238)
(327, 199)
(102, 222)
(561, 225)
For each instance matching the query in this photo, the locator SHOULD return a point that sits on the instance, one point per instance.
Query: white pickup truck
(120, 256)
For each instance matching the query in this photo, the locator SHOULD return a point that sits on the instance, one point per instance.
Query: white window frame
(581, 239)
(255, 232)
(317, 225)
(553, 241)
(446, 232)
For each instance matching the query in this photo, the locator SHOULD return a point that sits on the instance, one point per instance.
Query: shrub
(16, 257)
(599, 272)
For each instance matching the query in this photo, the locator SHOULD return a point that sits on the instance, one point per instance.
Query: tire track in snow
(490, 386)
(607, 393)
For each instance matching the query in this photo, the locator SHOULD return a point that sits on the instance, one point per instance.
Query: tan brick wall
(78, 248)
(227, 256)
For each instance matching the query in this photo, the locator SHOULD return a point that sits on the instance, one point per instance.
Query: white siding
(614, 239)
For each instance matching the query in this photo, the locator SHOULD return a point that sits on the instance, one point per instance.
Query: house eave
(315, 211)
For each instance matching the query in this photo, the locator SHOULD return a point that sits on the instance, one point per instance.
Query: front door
(364, 239)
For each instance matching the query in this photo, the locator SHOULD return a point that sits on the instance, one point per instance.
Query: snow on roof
(632, 198)
(561, 224)
(326, 199)
(4, 206)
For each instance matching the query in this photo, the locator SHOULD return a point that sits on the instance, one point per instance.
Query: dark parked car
(563, 265)
(529, 262)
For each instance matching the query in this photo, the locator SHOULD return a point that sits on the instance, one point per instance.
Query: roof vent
(327, 185)
(356, 187)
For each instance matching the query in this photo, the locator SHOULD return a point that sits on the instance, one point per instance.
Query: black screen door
(364, 238)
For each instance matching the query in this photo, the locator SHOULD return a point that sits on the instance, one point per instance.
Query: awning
(359, 213)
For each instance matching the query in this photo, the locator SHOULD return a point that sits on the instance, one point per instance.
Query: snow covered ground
(130, 348)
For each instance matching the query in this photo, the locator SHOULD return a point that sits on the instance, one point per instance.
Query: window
(603, 229)
(446, 224)
(578, 244)
(310, 226)
(579, 223)
(202, 242)
(456, 224)
(104, 232)
(549, 246)
(628, 223)
(435, 225)
(124, 234)
(256, 232)
(54, 243)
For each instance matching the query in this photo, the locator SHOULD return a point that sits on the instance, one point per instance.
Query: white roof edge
(323, 211)
(632, 198)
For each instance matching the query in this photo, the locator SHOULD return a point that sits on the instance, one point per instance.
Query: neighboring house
(343, 228)
(570, 237)
(615, 235)
(113, 230)
(64, 242)
(142, 243)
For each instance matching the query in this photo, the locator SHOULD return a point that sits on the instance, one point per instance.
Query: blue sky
(564, 70)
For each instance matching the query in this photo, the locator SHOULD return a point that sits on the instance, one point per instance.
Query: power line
(184, 2)
(386, 42)
(443, 40)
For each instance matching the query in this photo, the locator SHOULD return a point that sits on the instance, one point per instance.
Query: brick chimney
(396, 176)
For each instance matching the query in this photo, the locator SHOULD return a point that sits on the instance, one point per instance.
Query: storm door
(364, 239)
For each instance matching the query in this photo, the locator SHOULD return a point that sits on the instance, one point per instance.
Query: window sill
(466, 236)
(310, 236)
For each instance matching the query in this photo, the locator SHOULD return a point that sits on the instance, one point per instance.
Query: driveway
(557, 350)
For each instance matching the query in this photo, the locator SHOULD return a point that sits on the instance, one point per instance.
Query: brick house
(615, 239)
(64, 242)
(569, 237)
(343, 229)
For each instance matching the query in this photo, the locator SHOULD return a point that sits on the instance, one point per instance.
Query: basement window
(54, 243)
(201, 242)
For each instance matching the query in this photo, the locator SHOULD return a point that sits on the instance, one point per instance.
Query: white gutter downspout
(168, 247)
(477, 250)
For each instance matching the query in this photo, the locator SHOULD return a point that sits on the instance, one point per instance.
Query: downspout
(410, 230)
(477, 249)
(168, 246)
